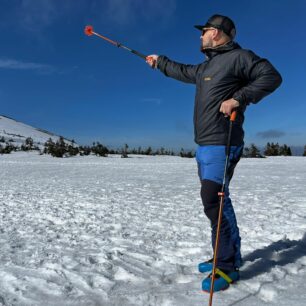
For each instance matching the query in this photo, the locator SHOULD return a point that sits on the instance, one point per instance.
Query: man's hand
(228, 106)
(152, 60)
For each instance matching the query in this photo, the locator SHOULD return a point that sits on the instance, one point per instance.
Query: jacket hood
(213, 51)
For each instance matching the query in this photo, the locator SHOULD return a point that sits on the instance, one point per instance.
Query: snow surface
(112, 231)
(18, 131)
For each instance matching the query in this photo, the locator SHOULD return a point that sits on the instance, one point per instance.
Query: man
(229, 79)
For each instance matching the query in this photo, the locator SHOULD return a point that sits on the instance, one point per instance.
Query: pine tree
(182, 152)
(285, 150)
(268, 149)
(6, 149)
(73, 151)
(188, 154)
(275, 149)
(304, 154)
(60, 148)
(254, 151)
(28, 145)
(84, 150)
(272, 149)
(99, 149)
(49, 146)
(124, 151)
(148, 151)
(246, 152)
(56, 149)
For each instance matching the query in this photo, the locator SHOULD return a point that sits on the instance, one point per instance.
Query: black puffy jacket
(229, 72)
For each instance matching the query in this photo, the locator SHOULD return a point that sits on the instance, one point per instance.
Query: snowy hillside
(127, 232)
(18, 132)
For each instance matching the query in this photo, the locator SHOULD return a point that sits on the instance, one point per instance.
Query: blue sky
(56, 78)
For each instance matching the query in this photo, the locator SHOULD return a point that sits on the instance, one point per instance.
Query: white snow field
(18, 132)
(112, 231)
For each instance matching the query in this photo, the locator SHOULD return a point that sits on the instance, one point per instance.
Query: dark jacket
(229, 72)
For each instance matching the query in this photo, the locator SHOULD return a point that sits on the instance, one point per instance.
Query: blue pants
(211, 163)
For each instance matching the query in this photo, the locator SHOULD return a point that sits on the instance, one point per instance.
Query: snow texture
(112, 231)
(18, 132)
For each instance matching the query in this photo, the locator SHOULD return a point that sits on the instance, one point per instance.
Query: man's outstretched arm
(178, 71)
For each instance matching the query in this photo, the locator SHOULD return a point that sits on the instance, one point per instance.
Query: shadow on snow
(279, 253)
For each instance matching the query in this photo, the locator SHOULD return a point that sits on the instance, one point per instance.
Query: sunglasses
(206, 29)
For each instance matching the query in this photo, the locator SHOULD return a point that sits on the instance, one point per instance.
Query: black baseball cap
(220, 22)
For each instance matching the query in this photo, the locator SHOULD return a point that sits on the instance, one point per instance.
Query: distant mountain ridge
(17, 132)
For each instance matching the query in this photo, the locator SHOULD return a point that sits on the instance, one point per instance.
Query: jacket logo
(207, 79)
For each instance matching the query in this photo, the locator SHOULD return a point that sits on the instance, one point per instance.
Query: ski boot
(222, 280)
(206, 266)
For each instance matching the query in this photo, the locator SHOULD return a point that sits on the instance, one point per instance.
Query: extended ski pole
(89, 31)
(221, 201)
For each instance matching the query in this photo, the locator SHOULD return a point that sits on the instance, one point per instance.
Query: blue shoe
(206, 266)
(222, 280)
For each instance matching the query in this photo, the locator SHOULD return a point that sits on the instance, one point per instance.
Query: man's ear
(217, 34)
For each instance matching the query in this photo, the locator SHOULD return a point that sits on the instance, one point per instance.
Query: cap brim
(199, 27)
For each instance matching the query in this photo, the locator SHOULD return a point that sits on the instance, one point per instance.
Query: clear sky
(56, 78)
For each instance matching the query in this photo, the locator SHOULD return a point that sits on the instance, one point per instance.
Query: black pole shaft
(228, 151)
(119, 45)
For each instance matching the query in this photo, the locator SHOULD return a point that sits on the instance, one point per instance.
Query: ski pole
(221, 194)
(90, 31)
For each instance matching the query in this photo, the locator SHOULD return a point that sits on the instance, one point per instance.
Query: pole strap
(223, 275)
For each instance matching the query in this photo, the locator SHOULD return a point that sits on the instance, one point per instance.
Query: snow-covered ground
(17, 131)
(112, 231)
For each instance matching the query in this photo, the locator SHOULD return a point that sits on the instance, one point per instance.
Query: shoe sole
(232, 283)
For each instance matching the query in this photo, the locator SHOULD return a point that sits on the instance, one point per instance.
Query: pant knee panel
(210, 199)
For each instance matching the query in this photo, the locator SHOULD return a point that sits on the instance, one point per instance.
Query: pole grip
(233, 116)
(139, 54)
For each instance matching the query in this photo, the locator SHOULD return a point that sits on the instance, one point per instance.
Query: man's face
(206, 38)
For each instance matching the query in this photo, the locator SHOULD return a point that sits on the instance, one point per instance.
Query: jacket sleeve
(259, 76)
(180, 72)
